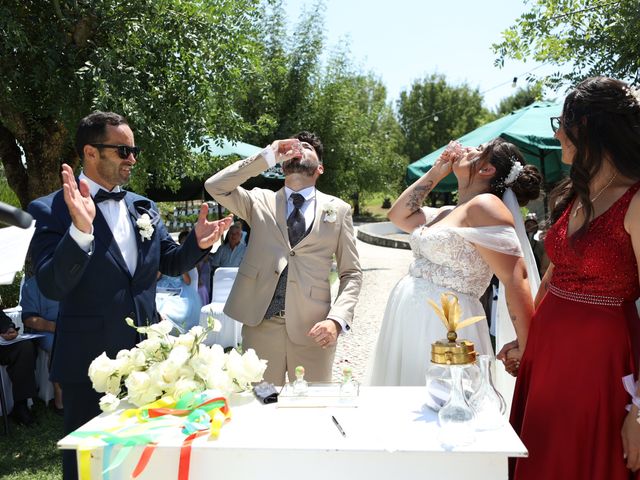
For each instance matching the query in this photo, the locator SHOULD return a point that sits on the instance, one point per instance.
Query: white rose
(109, 403)
(185, 385)
(236, 369)
(197, 331)
(254, 367)
(208, 359)
(186, 339)
(219, 380)
(330, 217)
(150, 347)
(157, 374)
(159, 330)
(141, 389)
(103, 373)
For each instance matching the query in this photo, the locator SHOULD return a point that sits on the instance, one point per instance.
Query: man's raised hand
(208, 232)
(78, 200)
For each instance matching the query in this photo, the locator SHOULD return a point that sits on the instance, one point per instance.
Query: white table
(388, 436)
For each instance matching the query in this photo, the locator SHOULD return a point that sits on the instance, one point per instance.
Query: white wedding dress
(446, 260)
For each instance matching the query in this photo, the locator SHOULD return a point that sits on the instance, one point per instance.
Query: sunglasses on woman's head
(556, 123)
(123, 150)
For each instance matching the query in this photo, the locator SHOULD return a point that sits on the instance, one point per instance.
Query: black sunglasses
(123, 150)
(556, 123)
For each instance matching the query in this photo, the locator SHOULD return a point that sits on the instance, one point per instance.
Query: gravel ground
(382, 267)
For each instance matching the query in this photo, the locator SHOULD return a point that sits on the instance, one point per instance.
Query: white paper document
(20, 338)
(14, 243)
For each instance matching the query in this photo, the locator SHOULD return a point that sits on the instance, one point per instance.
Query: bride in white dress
(457, 249)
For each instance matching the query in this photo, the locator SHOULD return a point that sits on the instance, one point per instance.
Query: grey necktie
(295, 222)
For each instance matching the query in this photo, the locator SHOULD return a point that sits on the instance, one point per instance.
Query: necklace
(597, 195)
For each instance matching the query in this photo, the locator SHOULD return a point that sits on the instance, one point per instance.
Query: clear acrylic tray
(319, 395)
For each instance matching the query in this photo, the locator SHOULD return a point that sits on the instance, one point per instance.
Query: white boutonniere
(330, 213)
(145, 226)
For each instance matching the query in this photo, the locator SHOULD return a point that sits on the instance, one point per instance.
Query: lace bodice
(447, 256)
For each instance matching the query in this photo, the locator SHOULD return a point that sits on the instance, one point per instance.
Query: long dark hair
(601, 117)
(503, 155)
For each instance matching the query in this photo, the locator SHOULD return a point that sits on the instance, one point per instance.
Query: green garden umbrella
(528, 128)
(193, 188)
(222, 147)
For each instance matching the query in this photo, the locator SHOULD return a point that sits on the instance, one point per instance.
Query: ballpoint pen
(335, 422)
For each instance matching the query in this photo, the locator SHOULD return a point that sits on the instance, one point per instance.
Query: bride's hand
(631, 439)
(510, 355)
(444, 163)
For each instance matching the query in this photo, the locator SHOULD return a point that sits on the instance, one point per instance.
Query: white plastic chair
(230, 334)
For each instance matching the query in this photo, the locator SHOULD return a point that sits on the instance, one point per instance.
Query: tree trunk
(46, 145)
(356, 204)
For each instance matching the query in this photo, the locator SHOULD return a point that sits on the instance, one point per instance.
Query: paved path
(382, 267)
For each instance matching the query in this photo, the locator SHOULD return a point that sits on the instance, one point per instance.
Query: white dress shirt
(308, 208)
(117, 217)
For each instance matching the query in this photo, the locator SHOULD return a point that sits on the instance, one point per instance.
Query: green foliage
(173, 67)
(523, 97)
(433, 112)
(6, 194)
(10, 294)
(293, 91)
(600, 37)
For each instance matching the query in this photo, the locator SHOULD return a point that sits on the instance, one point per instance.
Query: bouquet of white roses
(166, 365)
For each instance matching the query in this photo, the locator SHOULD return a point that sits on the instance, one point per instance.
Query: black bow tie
(103, 195)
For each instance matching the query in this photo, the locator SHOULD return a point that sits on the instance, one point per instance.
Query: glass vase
(438, 380)
(456, 417)
(488, 404)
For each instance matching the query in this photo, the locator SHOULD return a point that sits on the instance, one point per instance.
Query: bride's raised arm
(406, 213)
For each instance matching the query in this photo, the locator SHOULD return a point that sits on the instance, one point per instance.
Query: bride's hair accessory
(516, 168)
(633, 93)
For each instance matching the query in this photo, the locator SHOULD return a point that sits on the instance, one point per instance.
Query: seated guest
(231, 252)
(19, 358)
(39, 314)
(182, 309)
(204, 274)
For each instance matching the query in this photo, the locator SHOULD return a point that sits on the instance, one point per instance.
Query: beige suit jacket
(308, 294)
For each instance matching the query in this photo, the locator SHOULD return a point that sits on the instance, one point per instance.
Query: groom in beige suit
(282, 293)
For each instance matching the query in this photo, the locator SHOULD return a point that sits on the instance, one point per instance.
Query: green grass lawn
(31, 453)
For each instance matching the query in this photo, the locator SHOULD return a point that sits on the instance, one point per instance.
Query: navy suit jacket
(96, 291)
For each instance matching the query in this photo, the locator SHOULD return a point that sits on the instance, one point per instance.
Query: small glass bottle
(456, 417)
(486, 401)
(348, 387)
(300, 385)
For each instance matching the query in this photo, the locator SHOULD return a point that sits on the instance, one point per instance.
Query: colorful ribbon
(202, 415)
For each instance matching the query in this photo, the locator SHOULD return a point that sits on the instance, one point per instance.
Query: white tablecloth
(389, 435)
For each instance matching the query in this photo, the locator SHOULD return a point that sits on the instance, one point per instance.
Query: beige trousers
(271, 342)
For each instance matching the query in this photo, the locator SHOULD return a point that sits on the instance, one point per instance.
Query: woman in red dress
(569, 401)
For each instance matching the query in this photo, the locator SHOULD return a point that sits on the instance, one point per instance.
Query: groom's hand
(325, 333)
(78, 199)
(287, 149)
(208, 232)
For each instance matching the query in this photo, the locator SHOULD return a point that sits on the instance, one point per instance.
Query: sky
(404, 40)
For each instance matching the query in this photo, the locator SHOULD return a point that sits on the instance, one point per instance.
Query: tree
(278, 92)
(173, 68)
(432, 113)
(600, 37)
(363, 141)
(291, 91)
(523, 97)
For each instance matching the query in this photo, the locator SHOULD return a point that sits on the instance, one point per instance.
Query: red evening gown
(569, 401)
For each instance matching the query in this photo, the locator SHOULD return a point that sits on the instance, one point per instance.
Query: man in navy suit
(97, 250)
